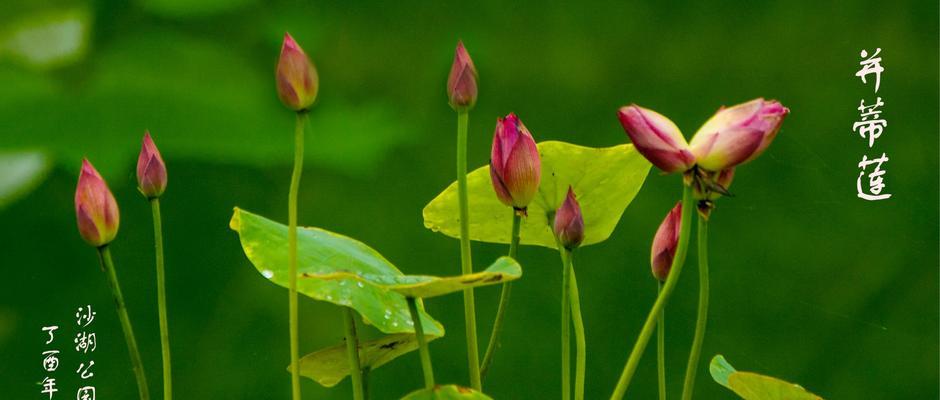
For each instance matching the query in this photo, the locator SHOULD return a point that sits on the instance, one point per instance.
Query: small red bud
(297, 79)
(462, 81)
(151, 171)
(569, 224)
(95, 208)
(665, 242)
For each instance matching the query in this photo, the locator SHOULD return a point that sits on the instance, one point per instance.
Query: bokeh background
(810, 283)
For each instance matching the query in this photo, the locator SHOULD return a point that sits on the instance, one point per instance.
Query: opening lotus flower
(737, 134)
(657, 138)
(515, 167)
(297, 79)
(731, 137)
(462, 81)
(665, 242)
(95, 208)
(151, 170)
(569, 223)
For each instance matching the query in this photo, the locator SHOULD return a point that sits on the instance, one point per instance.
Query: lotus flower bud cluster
(569, 224)
(462, 81)
(515, 167)
(665, 242)
(297, 79)
(151, 170)
(731, 137)
(95, 208)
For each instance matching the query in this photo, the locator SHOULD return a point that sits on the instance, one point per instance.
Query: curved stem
(161, 298)
(688, 207)
(580, 342)
(565, 324)
(661, 347)
(466, 264)
(422, 344)
(503, 299)
(352, 351)
(292, 253)
(702, 320)
(104, 255)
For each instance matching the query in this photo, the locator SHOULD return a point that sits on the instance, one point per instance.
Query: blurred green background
(809, 283)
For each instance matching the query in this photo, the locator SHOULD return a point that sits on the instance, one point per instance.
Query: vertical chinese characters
(50, 363)
(871, 126)
(85, 343)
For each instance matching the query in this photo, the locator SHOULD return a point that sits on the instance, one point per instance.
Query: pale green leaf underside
(446, 392)
(505, 269)
(752, 386)
(323, 252)
(22, 171)
(605, 181)
(329, 366)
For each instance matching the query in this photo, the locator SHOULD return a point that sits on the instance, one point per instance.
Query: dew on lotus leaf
(410, 322)
(395, 323)
(267, 273)
(330, 298)
(342, 283)
(360, 284)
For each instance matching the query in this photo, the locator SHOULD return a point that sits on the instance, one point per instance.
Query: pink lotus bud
(569, 224)
(95, 208)
(515, 167)
(738, 134)
(665, 242)
(151, 171)
(297, 79)
(462, 82)
(657, 138)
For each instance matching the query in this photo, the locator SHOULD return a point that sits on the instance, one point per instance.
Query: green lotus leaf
(605, 180)
(330, 366)
(22, 172)
(752, 386)
(505, 269)
(447, 392)
(323, 252)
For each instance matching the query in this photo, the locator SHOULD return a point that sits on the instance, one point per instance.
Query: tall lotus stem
(503, 299)
(640, 345)
(352, 352)
(423, 349)
(104, 256)
(702, 320)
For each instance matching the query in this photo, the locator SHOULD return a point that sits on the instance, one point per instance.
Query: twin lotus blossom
(569, 224)
(95, 208)
(462, 81)
(731, 137)
(665, 242)
(515, 166)
(151, 170)
(297, 79)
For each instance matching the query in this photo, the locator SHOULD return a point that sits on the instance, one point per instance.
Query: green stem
(580, 342)
(352, 351)
(466, 264)
(365, 382)
(292, 253)
(661, 347)
(702, 320)
(688, 207)
(104, 255)
(161, 298)
(422, 344)
(565, 325)
(503, 298)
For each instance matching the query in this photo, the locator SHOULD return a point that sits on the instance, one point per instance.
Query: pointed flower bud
(665, 242)
(151, 171)
(462, 82)
(515, 167)
(569, 224)
(95, 208)
(297, 79)
(657, 138)
(737, 134)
